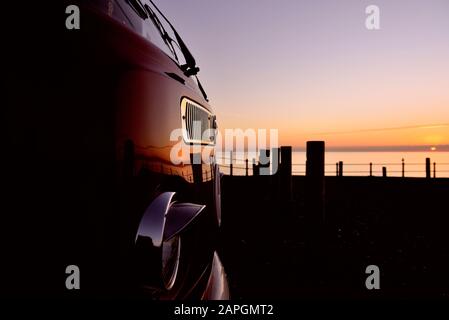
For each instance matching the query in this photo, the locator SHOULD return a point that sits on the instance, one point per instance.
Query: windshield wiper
(201, 88)
(164, 34)
(138, 8)
(144, 12)
(189, 68)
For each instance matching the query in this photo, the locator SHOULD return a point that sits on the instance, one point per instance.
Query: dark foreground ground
(271, 249)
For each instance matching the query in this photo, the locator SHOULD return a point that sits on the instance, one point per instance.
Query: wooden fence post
(370, 169)
(255, 168)
(275, 160)
(428, 168)
(246, 166)
(286, 173)
(275, 178)
(384, 171)
(230, 165)
(340, 168)
(264, 162)
(403, 168)
(315, 180)
(434, 170)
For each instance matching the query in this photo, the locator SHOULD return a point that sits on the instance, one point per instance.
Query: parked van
(90, 176)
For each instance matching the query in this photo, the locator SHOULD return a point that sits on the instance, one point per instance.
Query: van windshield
(172, 41)
(164, 33)
(159, 30)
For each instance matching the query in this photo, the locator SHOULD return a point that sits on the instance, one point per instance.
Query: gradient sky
(312, 69)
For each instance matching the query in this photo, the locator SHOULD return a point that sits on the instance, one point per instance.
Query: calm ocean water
(357, 163)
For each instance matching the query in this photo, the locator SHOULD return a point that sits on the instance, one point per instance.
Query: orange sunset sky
(314, 71)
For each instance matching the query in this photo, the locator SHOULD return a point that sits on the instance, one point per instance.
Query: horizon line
(416, 148)
(421, 126)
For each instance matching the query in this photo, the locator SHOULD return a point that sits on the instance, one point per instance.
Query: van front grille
(196, 120)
